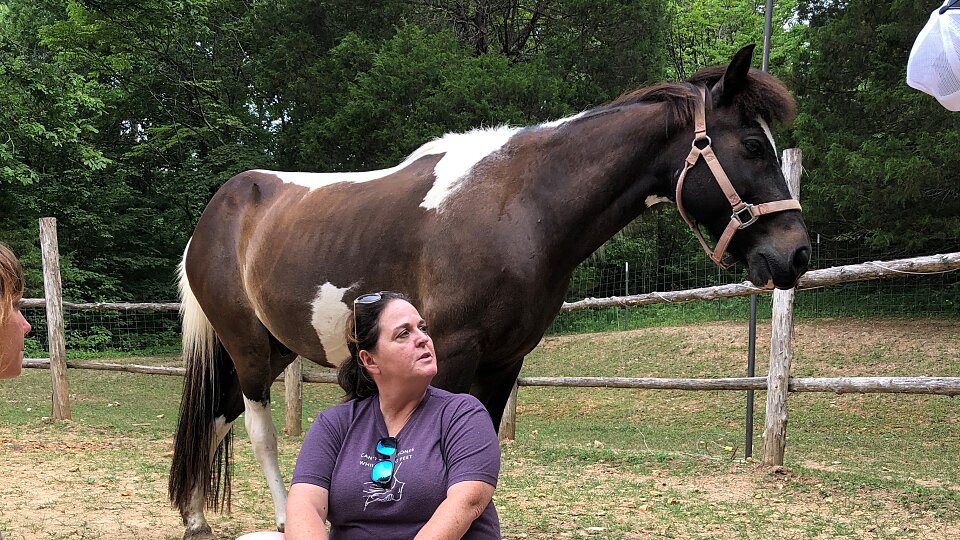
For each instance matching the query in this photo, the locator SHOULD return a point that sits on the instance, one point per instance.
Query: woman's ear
(368, 362)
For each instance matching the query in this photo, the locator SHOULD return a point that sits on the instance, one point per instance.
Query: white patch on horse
(263, 435)
(769, 134)
(328, 317)
(193, 519)
(318, 180)
(220, 429)
(655, 199)
(560, 122)
(461, 152)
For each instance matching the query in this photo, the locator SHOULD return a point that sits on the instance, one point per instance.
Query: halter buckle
(751, 216)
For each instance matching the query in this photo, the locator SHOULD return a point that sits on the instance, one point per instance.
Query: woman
(399, 458)
(13, 327)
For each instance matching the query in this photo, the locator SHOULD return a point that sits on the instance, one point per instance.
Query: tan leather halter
(744, 214)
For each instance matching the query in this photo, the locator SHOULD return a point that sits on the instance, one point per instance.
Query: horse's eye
(753, 146)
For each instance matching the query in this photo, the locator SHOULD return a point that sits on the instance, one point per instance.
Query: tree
(122, 119)
(153, 117)
(708, 32)
(880, 157)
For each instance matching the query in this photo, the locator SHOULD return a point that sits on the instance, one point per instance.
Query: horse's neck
(608, 169)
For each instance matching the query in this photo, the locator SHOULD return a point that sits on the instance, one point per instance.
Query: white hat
(934, 65)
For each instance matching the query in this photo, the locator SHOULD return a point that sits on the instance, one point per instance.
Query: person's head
(13, 327)
(387, 339)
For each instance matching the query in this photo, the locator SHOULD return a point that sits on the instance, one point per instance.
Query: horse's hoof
(201, 533)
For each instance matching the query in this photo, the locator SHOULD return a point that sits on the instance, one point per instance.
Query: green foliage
(136, 113)
(122, 119)
(880, 156)
(708, 32)
(416, 86)
(48, 113)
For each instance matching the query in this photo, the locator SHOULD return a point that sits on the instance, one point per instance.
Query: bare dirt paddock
(586, 464)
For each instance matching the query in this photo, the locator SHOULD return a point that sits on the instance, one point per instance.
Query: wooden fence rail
(943, 386)
(949, 386)
(106, 306)
(813, 279)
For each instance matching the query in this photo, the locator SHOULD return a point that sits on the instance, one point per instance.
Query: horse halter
(744, 214)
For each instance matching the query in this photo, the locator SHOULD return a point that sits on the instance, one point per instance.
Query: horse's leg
(457, 360)
(263, 435)
(255, 359)
(258, 364)
(493, 387)
(194, 521)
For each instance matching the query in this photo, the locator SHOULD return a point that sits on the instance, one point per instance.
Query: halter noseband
(744, 214)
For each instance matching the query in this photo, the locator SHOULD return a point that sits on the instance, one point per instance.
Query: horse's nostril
(801, 258)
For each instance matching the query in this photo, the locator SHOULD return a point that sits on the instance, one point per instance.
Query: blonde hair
(11, 282)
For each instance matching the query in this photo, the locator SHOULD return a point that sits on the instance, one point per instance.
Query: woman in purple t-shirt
(399, 458)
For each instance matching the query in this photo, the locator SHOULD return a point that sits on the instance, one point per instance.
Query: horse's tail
(198, 469)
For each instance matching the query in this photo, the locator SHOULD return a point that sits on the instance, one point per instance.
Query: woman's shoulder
(345, 412)
(445, 399)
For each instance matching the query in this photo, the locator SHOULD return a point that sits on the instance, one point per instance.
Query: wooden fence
(947, 386)
(778, 383)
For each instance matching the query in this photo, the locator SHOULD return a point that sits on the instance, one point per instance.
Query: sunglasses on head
(382, 472)
(365, 299)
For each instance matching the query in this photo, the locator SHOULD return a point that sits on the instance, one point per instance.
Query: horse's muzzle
(781, 269)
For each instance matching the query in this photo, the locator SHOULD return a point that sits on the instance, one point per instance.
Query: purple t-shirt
(448, 439)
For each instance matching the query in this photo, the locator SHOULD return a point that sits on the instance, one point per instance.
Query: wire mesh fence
(930, 295)
(95, 332)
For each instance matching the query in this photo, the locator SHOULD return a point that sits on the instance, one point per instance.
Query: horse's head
(741, 198)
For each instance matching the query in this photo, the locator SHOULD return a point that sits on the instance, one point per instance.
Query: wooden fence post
(508, 423)
(53, 295)
(293, 392)
(781, 347)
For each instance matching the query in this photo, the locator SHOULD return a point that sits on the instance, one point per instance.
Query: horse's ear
(735, 78)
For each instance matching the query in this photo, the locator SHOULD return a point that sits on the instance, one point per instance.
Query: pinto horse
(483, 231)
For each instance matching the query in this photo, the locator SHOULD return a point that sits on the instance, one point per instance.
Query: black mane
(764, 96)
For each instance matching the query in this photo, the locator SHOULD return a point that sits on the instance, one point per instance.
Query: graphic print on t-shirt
(374, 492)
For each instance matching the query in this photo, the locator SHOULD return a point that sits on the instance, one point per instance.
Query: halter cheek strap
(744, 214)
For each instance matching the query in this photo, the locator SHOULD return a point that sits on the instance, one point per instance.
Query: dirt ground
(58, 485)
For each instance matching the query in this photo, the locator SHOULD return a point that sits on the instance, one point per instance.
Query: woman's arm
(306, 512)
(464, 503)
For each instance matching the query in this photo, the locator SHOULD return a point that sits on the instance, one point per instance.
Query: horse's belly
(311, 324)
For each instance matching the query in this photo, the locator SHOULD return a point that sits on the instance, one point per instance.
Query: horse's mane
(764, 96)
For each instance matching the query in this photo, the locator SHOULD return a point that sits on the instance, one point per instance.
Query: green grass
(587, 463)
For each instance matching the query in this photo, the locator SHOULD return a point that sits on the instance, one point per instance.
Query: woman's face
(404, 349)
(14, 329)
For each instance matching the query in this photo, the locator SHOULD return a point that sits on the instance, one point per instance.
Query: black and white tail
(200, 471)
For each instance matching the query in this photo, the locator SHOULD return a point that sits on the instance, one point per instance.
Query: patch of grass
(587, 463)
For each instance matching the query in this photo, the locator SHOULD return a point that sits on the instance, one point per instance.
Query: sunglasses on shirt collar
(382, 472)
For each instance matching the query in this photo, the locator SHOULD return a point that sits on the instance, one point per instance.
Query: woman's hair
(362, 333)
(11, 282)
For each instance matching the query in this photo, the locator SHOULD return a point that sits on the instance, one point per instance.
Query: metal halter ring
(703, 138)
(748, 208)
